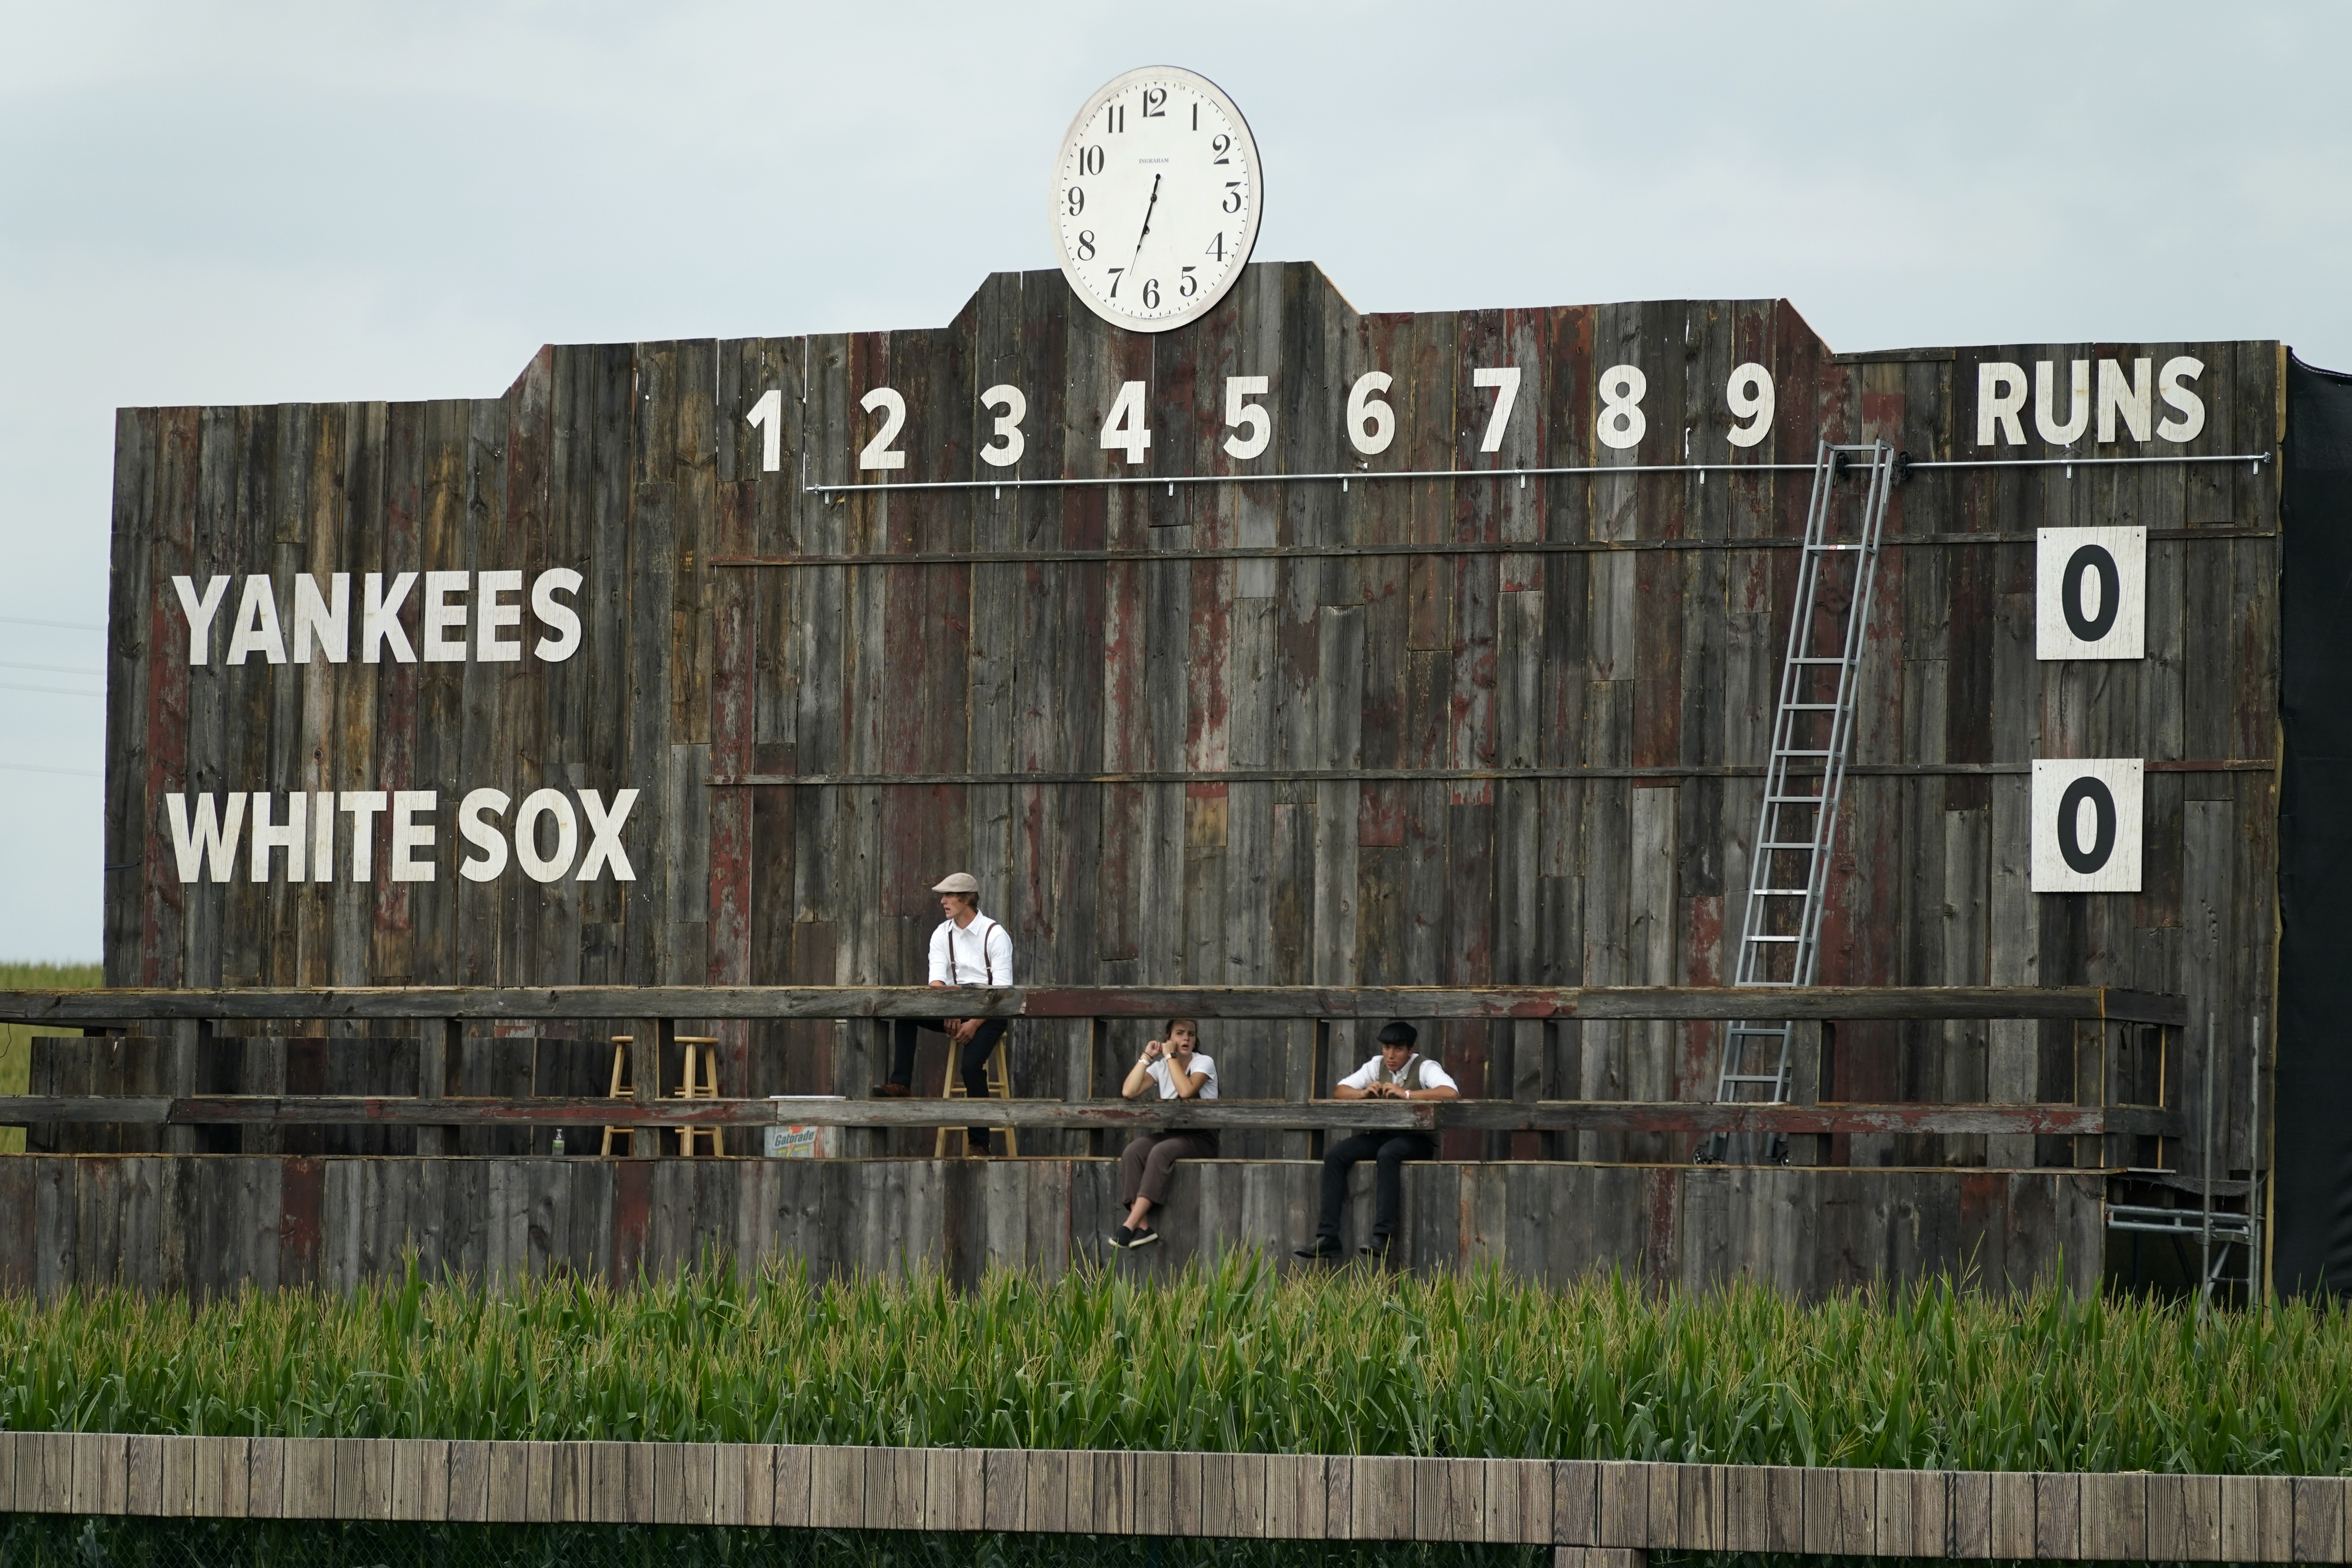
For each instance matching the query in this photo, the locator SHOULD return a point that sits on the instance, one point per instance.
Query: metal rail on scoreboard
(1346, 476)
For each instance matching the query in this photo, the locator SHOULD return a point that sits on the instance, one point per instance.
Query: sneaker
(1122, 1238)
(1143, 1237)
(1321, 1248)
(1376, 1250)
(891, 1091)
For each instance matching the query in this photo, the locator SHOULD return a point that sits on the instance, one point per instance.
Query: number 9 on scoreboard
(2086, 825)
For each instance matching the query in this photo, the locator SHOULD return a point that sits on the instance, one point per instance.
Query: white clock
(1156, 198)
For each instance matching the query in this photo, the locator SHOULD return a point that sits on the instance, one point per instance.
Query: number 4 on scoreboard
(1125, 427)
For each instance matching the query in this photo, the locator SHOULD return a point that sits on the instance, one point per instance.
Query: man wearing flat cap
(968, 948)
(1399, 1072)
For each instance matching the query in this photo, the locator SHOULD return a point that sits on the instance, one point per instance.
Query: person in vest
(968, 948)
(1177, 1067)
(1399, 1072)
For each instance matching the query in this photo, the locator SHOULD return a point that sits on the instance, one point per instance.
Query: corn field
(1234, 1357)
(15, 1039)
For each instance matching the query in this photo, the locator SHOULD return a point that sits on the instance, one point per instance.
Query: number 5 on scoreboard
(1252, 428)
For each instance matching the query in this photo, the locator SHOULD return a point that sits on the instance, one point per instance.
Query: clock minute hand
(1149, 208)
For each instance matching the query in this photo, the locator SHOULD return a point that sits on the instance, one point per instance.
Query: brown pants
(1148, 1162)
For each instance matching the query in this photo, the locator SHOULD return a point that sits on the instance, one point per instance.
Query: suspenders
(988, 965)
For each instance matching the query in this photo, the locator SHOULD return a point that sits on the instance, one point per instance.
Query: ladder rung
(1778, 892)
(1771, 1077)
(1807, 659)
(1804, 751)
(1788, 844)
(1768, 939)
(1809, 706)
(1833, 546)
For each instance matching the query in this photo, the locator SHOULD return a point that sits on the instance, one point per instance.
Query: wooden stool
(622, 1087)
(1000, 1086)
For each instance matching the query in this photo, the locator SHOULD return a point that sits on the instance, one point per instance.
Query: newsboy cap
(956, 882)
(1397, 1032)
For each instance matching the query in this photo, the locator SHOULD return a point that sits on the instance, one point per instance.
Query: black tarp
(2313, 1244)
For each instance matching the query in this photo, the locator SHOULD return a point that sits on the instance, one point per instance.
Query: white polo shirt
(1431, 1076)
(975, 954)
(1202, 1067)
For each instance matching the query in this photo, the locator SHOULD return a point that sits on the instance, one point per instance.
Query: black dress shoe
(890, 1092)
(1321, 1248)
(1376, 1250)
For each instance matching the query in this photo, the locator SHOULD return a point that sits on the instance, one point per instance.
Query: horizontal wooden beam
(1670, 1002)
(1482, 1115)
(1230, 777)
(1589, 1510)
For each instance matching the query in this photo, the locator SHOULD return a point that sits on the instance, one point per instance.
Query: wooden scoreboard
(1228, 636)
(700, 661)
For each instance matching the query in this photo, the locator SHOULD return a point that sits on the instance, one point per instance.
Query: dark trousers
(975, 1056)
(1391, 1149)
(1147, 1163)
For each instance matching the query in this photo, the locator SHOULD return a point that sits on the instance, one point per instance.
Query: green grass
(15, 1047)
(1234, 1357)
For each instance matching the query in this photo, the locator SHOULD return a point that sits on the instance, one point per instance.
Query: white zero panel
(2090, 598)
(2086, 825)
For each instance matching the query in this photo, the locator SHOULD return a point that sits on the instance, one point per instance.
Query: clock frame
(1157, 198)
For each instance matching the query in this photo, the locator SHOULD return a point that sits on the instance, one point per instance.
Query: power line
(49, 668)
(53, 690)
(53, 625)
(64, 772)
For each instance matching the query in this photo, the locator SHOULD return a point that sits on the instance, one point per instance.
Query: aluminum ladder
(1812, 735)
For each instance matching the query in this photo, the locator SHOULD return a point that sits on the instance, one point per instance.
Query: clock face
(1156, 198)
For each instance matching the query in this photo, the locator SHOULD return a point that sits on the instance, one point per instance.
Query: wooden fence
(207, 1188)
(1592, 1511)
(2119, 1084)
(209, 1226)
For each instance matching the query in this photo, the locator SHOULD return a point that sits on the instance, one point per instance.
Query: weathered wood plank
(1669, 1116)
(1296, 1487)
(1936, 1002)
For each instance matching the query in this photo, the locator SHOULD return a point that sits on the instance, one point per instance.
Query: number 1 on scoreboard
(767, 416)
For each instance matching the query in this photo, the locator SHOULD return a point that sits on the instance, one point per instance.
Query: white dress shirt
(978, 953)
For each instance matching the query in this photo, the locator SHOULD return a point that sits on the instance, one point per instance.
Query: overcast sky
(265, 203)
